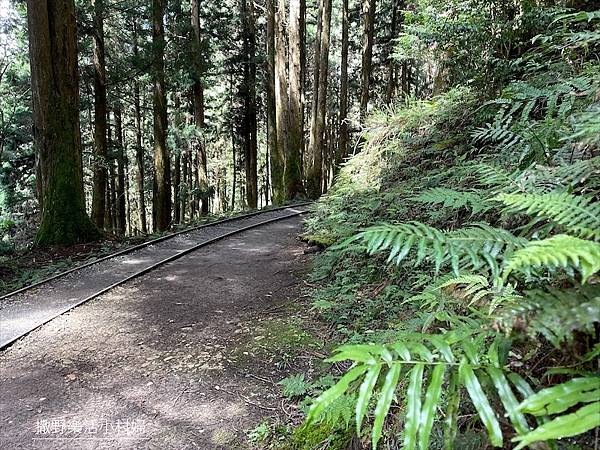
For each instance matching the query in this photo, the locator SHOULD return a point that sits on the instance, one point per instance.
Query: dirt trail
(171, 360)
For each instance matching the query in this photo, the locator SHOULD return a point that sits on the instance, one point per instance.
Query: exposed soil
(187, 356)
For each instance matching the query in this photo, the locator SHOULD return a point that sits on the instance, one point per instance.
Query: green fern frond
(577, 214)
(476, 246)
(430, 359)
(579, 172)
(556, 400)
(555, 313)
(450, 198)
(489, 175)
(559, 251)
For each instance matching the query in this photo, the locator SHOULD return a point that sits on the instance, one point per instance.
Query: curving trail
(171, 359)
(28, 308)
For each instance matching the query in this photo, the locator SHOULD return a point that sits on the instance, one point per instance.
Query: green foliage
(579, 215)
(556, 401)
(450, 198)
(467, 306)
(426, 361)
(294, 386)
(473, 247)
(556, 313)
(562, 251)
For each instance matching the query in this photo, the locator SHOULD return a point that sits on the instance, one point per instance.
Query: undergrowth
(463, 270)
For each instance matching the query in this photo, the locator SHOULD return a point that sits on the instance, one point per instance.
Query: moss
(280, 338)
(320, 239)
(315, 436)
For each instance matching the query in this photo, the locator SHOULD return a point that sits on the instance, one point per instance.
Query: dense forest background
(244, 124)
(453, 149)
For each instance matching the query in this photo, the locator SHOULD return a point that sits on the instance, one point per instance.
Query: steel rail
(4, 345)
(146, 244)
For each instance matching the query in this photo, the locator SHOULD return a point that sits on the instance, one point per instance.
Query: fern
(492, 176)
(555, 313)
(294, 386)
(558, 399)
(497, 134)
(473, 247)
(430, 360)
(449, 198)
(577, 214)
(472, 289)
(561, 251)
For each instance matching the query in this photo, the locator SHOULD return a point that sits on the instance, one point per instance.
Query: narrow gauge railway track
(26, 309)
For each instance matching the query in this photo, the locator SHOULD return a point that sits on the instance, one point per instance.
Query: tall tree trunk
(392, 78)
(129, 228)
(281, 97)
(162, 165)
(184, 188)
(139, 149)
(177, 162)
(196, 205)
(319, 109)
(198, 97)
(190, 178)
(177, 188)
(99, 164)
(233, 149)
(276, 156)
(343, 125)
(120, 156)
(110, 218)
(249, 93)
(55, 93)
(367, 54)
(293, 173)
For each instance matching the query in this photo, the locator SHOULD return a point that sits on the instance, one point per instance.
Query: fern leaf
(432, 398)
(579, 215)
(385, 401)
(453, 403)
(557, 313)
(333, 393)
(558, 251)
(557, 399)
(475, 246)
(481, 403)
(450, 198)
(582, 420)
(364, 394)
(509, 401)
(413, 406)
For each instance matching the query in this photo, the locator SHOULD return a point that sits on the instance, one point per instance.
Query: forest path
(29, 308)
(187, 356)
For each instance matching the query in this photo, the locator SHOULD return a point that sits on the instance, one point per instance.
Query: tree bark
(343, 124)
(275, 155)
(184, 187)
(321, 77)
(281, 98)
(55, 93)
(198, 98)
(392, 80)
(162, 165)
(249, 128)
(293, 173)
(110, 216)
(139, 149)
(99, 164)
(120, 188)
(367, 54)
